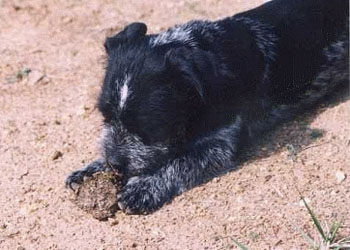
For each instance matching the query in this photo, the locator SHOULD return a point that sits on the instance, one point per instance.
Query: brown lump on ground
(98, 195)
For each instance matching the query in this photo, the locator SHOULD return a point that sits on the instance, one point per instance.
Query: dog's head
(151, 98)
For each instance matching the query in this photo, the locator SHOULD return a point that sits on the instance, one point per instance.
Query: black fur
(180, 104)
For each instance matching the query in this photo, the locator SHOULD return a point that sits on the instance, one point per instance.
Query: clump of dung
(97, 195)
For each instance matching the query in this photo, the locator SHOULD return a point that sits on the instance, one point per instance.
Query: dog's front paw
(77, 177)
(143, 195)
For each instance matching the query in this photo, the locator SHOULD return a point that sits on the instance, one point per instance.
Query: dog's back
(304, 30)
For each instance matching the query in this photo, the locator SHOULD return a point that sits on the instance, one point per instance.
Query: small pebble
(113, 221)
(56, 155)
(340, 176)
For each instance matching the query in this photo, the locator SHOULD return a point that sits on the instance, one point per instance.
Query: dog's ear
(181, 61)
(129, 33)
(197, 65)
(135, 30)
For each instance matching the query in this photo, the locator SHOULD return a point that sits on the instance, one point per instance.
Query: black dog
(180, 104)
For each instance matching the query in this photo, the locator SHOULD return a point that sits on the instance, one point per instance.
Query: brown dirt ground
(53, 110)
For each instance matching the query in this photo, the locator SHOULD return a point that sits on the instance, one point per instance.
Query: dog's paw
(76, 178)
(142, 195)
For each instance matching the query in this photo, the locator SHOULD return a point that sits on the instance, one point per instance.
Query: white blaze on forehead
(124, 91)
(123, 94)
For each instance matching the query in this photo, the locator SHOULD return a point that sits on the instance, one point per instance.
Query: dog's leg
(207, 158)
(77, 177)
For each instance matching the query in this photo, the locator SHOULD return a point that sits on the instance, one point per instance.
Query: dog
(180, 105)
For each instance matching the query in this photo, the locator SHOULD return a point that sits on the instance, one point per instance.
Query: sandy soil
(49, 126)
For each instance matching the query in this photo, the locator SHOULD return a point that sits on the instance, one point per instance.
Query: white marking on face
(124, 92)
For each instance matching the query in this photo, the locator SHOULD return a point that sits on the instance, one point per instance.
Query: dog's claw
(75, 178)
(71, 186)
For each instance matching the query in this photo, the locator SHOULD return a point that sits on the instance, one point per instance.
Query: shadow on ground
(295, 135)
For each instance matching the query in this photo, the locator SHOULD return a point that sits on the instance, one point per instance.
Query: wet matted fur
(179, 105)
